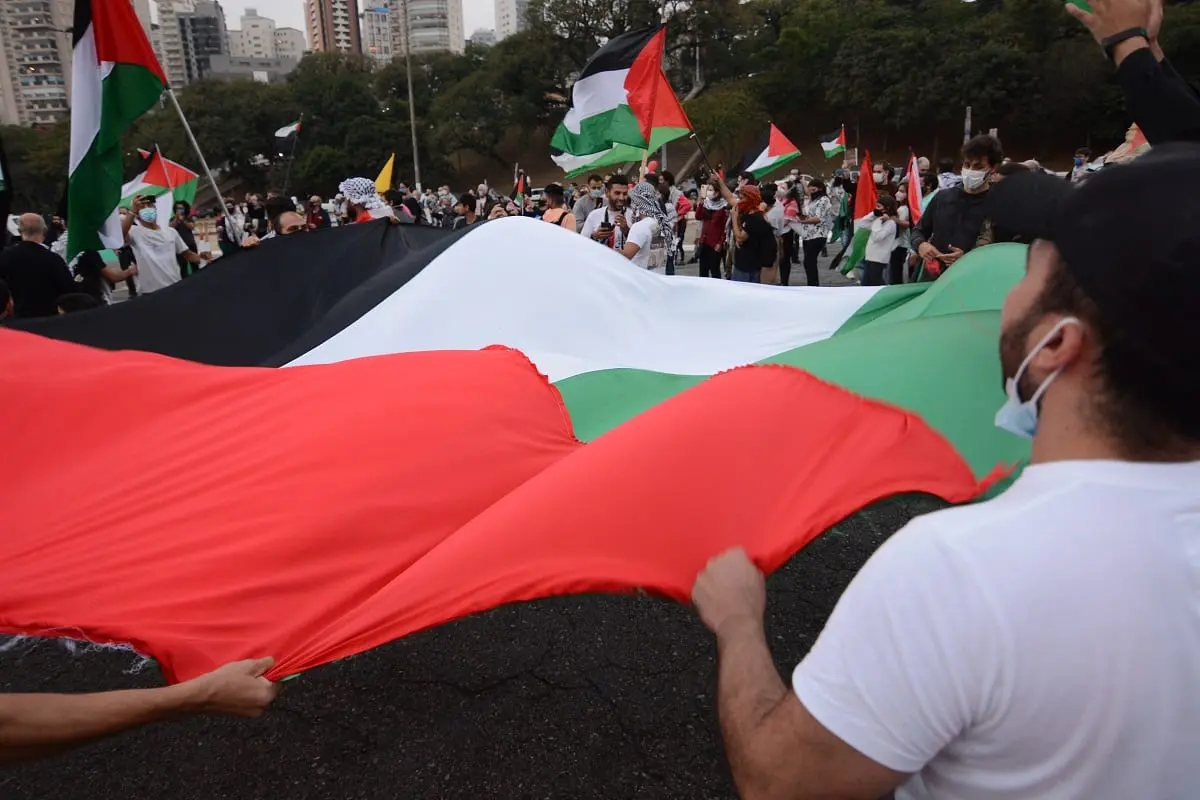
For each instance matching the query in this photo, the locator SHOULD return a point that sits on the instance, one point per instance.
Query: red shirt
(712, 233)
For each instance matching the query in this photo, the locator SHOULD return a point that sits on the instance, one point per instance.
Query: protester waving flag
(769, 153)
(115, 79)
(162, 179)
(285, 137)
(621, 106)
(834, 142)
(864, 203)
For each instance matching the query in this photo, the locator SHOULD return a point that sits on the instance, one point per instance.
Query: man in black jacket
(35, 276)
(952, 223)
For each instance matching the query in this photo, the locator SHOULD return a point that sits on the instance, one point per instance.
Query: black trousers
(873, 273)
(812, 251)
(896, 266)
(710, 261)
(788, 243)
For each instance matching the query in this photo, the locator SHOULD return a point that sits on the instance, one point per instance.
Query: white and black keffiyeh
(361, 192)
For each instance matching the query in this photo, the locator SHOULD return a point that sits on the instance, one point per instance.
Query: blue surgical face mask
(1021, 418)
(148, 215)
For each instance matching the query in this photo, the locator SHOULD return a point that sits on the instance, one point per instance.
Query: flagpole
(217, 198)
(287, 176)
(412, 111)
(703, 155)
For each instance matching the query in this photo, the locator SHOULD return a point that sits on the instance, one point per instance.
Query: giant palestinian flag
(493, 426)
(621, 106)
(769, 153)
(115, 79)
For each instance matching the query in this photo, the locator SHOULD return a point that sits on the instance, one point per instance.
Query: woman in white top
(882, 222)
(649, 234)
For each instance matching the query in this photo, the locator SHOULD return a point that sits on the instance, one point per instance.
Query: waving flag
(114, 80)
(516, 481)
(285, 137)
(915, 206)
(621, 105)
(865, 200)
(769, 153)
(834, 143)
(164, 180)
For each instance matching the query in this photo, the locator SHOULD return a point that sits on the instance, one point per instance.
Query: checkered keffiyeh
(361, 192)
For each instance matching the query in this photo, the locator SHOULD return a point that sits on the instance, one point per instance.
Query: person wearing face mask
(185, 226)
(882, 240)
(952, 223)
(154, 247)
(1079, 168)
(899, 257)
(816, 223)
(589, 200)
(1043, 643)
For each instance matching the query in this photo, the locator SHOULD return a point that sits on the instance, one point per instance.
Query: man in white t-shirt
(1044, 644)
(608, 224)
(155, 247)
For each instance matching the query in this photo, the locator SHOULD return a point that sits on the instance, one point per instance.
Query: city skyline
(290, 13)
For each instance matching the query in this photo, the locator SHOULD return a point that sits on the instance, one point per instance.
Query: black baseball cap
(1130, 237)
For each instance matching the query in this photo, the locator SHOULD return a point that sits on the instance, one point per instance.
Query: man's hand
(206, 257)
(132, 271)
(928, 252)
(729, 588)
(238, 689)
(620, 221)
(949, 258)
(1113, 16)
(601, 233)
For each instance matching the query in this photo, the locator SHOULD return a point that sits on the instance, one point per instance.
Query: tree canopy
(896, 72)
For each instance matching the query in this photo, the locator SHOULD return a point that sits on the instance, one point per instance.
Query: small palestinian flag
(770, 152)
(621, 106)
(115, 80)
(285, 137)
(865, 200)
(169, 183)
(834, 143)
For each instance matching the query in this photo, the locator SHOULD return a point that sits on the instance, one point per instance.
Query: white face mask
(1021, 418)
(879, 177)
(973, 179)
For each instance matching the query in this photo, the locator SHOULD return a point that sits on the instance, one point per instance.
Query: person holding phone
(608, 224)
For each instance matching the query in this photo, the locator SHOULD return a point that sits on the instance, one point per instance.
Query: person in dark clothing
(94, 277)
(713, 213)
(753, 236)
(35, 276)
(76, 301)
(125, 259)
(185, 225)
(316, 217)
(6, 304)
(953, 222)
(1157, 97)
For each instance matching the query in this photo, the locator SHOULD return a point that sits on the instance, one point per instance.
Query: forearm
(34, 725)
(749, 688)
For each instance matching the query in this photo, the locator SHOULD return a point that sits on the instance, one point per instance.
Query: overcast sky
(290, 13)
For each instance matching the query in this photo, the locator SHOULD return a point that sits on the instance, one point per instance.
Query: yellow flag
(384, 182)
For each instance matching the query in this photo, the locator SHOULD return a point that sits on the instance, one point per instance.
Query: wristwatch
(1110, 42)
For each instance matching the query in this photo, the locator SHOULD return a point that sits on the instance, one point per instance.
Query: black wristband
(1110, 42)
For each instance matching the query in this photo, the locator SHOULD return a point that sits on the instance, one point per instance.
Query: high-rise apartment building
(436, 26)
(333, 26)
(376, 34)
(483, 37)
(510, 17)
(203, 34)
(255, 38)
(35, 61)
(290, 43)
(170, 40)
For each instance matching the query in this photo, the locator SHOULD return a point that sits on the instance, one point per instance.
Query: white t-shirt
(882, 240)
(774, 216)
(594, 220)
(1044, 644)
(155, 251)
(642, 233)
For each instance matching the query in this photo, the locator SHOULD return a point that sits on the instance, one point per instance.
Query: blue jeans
(747, 277)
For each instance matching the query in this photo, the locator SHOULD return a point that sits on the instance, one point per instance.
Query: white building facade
(510, 17)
